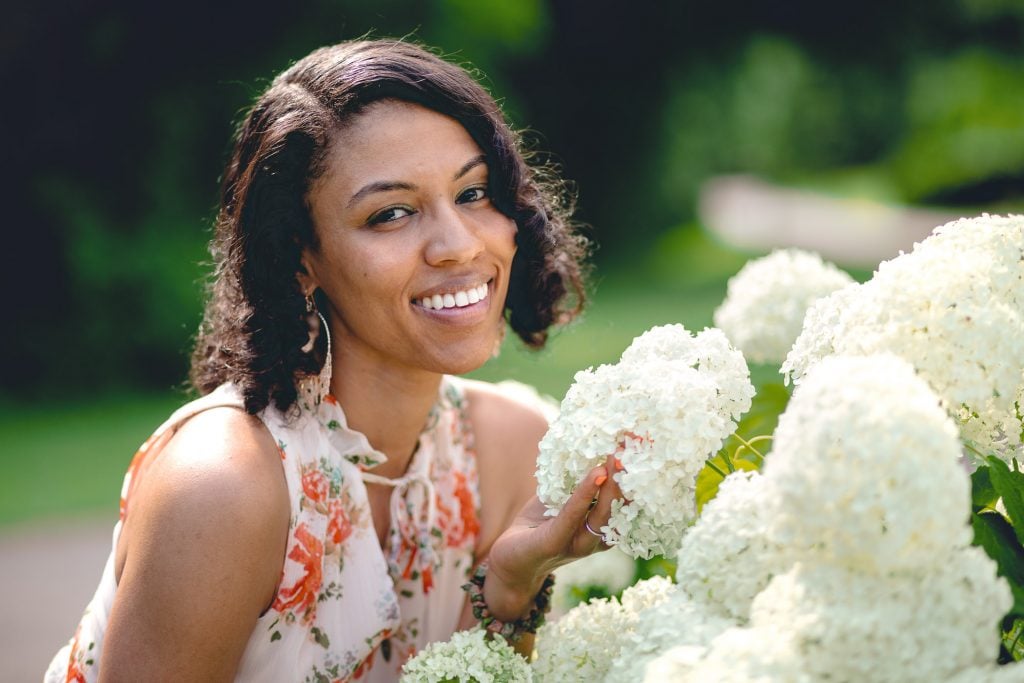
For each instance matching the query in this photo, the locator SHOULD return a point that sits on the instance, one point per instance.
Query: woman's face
(413, 256)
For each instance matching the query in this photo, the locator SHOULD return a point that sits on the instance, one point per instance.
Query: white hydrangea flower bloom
(646, 594)
(726, 557)
(611, 570)
(865, 468)
(954, 308)
(1010, 673)
(736, 655)
(581, 645)
(841, 624)
(469, 657)
(766, 301)
(676, 621)
(664, 409)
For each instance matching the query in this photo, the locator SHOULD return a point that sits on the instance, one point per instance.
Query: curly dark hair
(255, 324)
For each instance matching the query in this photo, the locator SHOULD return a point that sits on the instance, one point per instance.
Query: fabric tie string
(411, 552)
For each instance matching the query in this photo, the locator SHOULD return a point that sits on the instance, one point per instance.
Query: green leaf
(1010, 487)
(768, 403)
(1013, 640)
(983, 493)
(995, 535)
(708, 479)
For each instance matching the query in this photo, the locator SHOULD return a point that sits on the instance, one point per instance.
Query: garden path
(48, 572)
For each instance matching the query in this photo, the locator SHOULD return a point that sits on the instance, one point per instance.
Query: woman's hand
(534, 545)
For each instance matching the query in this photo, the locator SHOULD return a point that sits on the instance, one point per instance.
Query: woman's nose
(453, 238)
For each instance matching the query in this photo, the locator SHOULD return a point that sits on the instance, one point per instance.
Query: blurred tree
(119, 117)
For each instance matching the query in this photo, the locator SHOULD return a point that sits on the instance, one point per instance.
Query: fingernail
(618, 465)
(601, 478)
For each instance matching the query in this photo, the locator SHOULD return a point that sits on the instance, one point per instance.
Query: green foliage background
(120, 114)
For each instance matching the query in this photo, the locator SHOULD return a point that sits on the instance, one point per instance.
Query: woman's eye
(472, 194)
(392, 213)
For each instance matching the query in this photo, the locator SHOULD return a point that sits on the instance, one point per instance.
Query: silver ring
(586, 525)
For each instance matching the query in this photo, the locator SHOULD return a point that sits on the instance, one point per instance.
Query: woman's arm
(200, 553)
(521, 544)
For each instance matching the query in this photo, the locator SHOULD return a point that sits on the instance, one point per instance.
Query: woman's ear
(307, 275)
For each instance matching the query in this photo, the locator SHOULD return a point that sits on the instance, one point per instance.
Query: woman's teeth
(456, 300)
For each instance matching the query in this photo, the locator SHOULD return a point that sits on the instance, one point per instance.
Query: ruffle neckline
(410, 550)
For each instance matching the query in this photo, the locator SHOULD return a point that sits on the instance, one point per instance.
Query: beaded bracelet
(512, 630)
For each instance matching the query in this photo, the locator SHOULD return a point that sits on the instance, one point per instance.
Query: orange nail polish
(618, 465)
(602, 478)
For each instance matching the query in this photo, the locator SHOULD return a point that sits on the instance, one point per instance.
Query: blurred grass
(68, 458)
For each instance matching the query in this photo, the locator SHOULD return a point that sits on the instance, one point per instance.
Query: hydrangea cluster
(726, 558)
(664, 409)
(865, 468)
(766, 301)
(576, 646)
(848, 559)
(842, 624)
(954, 308)
(469, 657)
(611, 571)
(675, 622)
(581, 645)
(736, 655)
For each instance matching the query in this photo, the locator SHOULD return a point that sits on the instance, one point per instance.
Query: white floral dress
(345, 609)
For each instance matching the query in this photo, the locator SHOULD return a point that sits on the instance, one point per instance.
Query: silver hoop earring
(316, 387)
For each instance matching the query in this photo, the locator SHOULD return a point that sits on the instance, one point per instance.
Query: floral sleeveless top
(345, 609)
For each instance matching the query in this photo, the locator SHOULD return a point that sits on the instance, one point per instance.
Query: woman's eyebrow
(388, 185)
(378, 186)
(470, 165)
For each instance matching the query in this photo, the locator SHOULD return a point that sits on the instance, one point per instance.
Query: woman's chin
(465, 361)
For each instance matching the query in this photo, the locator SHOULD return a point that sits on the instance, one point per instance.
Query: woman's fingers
(601, 512)
(570, 519)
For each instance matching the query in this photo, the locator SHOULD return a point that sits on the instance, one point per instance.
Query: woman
(316, 513)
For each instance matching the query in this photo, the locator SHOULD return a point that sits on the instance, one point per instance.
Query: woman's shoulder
(508, 411)
(219, 469)
(202, 546)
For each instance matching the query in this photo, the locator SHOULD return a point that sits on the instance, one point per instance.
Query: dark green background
(117, 118)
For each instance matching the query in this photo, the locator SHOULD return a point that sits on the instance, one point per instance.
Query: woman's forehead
(395, 141)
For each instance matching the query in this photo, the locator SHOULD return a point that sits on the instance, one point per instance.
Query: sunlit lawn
(68, 458)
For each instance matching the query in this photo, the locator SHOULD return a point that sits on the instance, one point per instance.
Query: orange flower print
(466, 527)
(75, 673)
(315, 486)
(339, 526)
(470, 523)
(364, 666)
(428, 579)
(301, 598)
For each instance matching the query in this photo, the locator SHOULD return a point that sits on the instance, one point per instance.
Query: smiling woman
(316, 513)
(423, 227)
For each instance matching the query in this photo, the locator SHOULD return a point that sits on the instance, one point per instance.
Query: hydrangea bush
(765, 302)
(664, 409)
(606, 574)
(865, 549)
(583, 644)
(954, 308)
(469, 657)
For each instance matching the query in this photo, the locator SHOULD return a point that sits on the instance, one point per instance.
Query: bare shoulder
(507, 429)
(201, 550)
(221, 460)
(508, 424)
